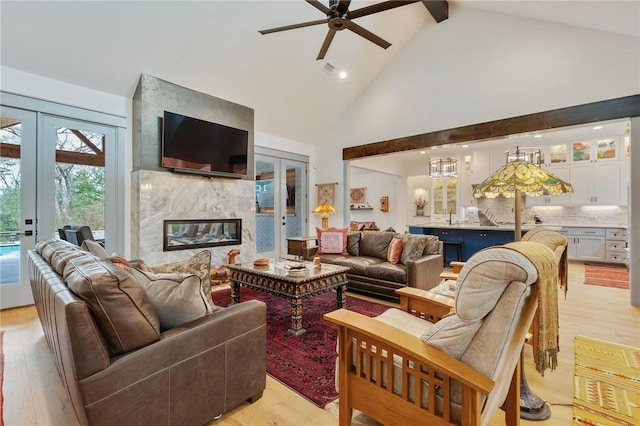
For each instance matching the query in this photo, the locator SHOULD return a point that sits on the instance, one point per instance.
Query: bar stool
(445, 249)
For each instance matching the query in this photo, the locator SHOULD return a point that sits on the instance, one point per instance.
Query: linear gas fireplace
(190, 234)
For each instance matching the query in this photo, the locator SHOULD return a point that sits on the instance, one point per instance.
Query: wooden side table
(297, 246)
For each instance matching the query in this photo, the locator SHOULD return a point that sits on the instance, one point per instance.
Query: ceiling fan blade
(327, 42)
(321, 7)
(368, 35)
(293, 27)
(343, 6)
(379, 7)
(439, 9)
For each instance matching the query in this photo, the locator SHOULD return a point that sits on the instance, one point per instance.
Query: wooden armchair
(400, 368)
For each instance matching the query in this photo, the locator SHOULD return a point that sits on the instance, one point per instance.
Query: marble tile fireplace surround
(168, 196)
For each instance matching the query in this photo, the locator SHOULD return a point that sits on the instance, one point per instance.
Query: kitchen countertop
(509, 227)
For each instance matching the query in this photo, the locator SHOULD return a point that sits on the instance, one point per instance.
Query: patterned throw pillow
(332, 241)
(395, 251)
(177, 298)
(199, 264)
(413, 246)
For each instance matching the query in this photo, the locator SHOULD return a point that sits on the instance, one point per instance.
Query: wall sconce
(443, 167)
(325, 209)
(525, 155)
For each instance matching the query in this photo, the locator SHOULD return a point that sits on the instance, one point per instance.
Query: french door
(53, 172)
(281, 203)
(17, 203)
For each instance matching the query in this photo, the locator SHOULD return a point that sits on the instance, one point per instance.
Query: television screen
(198, 146)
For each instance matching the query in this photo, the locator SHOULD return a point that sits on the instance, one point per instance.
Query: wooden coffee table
(295, 286)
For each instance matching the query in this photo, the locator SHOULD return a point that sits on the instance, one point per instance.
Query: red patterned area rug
(304, 363)
(606, 275)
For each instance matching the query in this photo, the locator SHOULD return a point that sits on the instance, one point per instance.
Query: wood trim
(611, 109)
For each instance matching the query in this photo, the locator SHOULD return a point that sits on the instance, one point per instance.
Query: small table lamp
(325, 209)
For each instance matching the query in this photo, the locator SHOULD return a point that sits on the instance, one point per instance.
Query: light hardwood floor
(34, 395)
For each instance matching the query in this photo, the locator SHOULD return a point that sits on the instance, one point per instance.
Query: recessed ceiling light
(597, 128)
(423, 152)
(343, 75)
(537, 136)
(465, 146)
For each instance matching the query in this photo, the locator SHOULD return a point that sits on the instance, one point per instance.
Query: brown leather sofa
(188, 375)
(372, 274)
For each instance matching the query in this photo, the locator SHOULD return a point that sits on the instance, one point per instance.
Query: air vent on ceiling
(328, 68)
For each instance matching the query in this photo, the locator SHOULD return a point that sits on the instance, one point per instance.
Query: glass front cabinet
(445, 194)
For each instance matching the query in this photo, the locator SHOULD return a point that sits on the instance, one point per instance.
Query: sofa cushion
(353, 243)
(357, 264)
(95, 248)
(332, 241)
(375, 244)
(395, 251)
(57, 253)
(387, 271)
(198, 264)
(452, 335)
(176, 298)
(413, 247)
(118, 303)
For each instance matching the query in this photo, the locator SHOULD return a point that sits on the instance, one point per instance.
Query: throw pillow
(332, 241)
(353, 243)
(432, 246)
(177, 298)
(95, 248)
(199, 264)
(395, 251)
(413, 247)
(117, 301)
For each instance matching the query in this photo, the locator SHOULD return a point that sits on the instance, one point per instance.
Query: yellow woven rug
(606, 384)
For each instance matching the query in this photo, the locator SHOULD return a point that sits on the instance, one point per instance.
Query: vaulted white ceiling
(215, 47)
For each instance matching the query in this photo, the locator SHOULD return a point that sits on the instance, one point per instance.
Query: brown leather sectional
(372, 274)
(188, 375)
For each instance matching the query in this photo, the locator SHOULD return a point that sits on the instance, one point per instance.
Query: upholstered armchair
(400, 368)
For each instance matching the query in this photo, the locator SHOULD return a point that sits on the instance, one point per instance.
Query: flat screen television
(191, 145)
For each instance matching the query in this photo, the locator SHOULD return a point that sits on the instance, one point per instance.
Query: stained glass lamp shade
(519, 177)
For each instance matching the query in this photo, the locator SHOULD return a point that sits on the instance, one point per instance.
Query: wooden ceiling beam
(439, 9)
(611, 109)
(13, 151)
(87, 142)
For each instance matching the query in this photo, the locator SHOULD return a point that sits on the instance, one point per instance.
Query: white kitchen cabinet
(585, 243)
(595, 183)
(563, 172)
(625, 177)
(473, 171)
(617, 243)
(445, 196)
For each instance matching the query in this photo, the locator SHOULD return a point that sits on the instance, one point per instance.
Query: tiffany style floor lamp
(522, 175)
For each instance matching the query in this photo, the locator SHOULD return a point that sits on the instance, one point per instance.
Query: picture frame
(326, 193)
(357, 195)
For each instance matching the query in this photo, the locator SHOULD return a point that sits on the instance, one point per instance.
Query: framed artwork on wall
(327, 192)
(357, 195)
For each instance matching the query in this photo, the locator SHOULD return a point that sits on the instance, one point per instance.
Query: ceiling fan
(339, 18)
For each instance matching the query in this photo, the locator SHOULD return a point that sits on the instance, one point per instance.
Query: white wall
(480, 67)
(378, 185)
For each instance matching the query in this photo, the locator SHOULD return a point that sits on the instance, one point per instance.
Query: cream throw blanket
(545, 352)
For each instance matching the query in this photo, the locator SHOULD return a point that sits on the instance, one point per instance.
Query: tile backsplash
(503, 211)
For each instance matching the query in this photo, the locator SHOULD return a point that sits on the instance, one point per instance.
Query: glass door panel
(17, 201)
(267, 198)
(80, 180)
(295, 182)
(280, 204)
